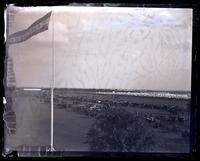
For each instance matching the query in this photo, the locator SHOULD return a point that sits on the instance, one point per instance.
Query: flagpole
(52, 82)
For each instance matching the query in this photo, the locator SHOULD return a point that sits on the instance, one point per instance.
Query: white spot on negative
(4, 100)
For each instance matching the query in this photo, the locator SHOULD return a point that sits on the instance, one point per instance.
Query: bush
(118, 130)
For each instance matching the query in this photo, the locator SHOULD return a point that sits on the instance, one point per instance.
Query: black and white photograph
(97, 79)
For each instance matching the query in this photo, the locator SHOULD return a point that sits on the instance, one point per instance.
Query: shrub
(118, 130)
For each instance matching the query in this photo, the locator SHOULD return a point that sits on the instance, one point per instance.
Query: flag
(38, 26)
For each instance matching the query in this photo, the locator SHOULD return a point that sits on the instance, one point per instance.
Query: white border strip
(32, 89)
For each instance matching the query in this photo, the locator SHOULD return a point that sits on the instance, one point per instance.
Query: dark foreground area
(85, 121)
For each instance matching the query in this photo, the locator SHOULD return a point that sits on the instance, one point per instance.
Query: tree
(115, 129)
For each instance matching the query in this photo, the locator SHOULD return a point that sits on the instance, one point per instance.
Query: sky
(104, 47)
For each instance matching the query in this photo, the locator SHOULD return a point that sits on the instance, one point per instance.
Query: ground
(94, 122)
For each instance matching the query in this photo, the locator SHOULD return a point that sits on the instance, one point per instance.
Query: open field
(85, 121)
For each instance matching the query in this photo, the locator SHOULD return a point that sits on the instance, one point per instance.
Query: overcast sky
(105, 47)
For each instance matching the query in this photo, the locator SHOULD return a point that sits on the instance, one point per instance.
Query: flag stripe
(38, 26)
